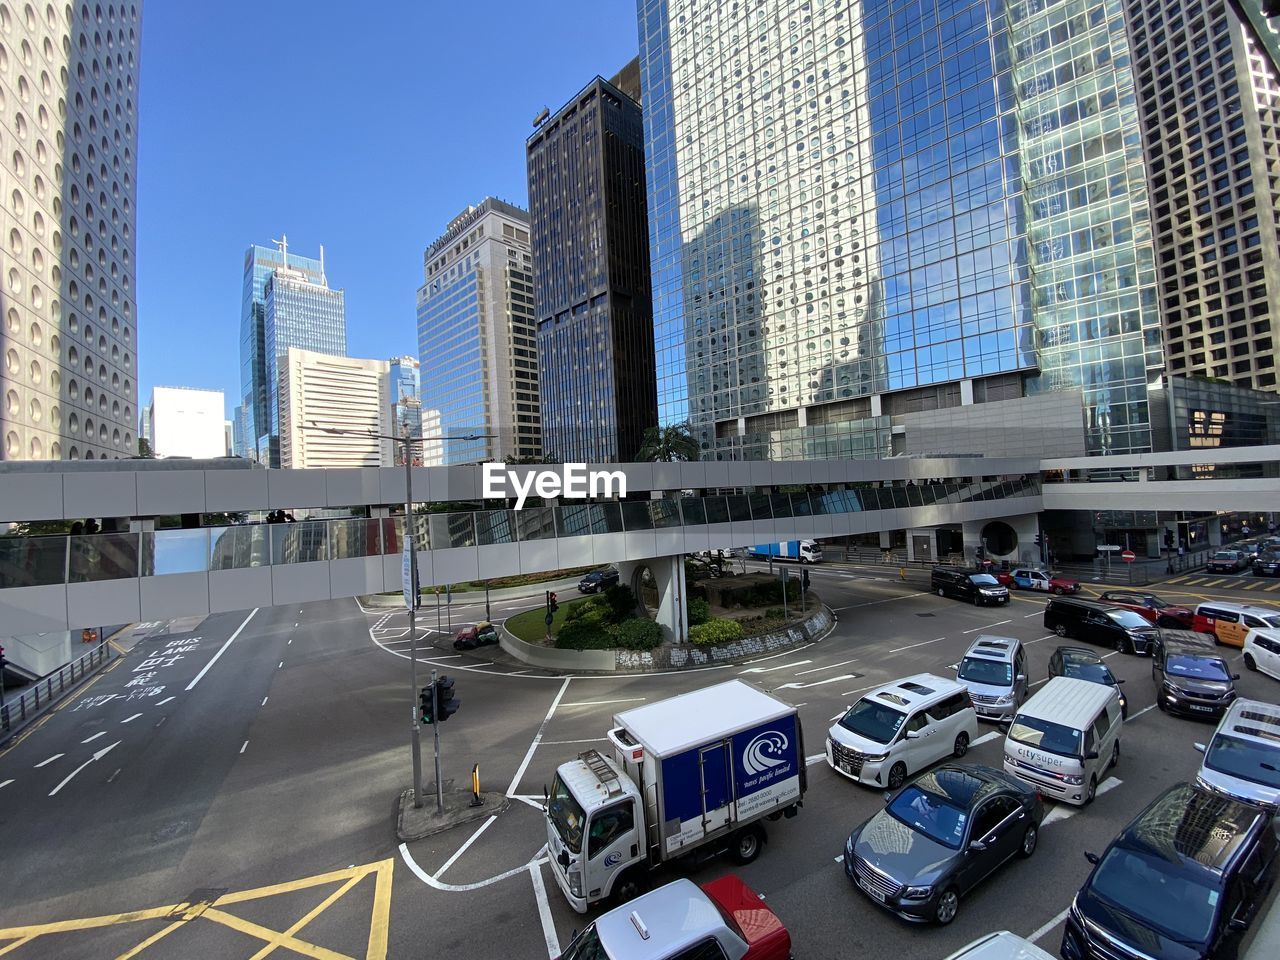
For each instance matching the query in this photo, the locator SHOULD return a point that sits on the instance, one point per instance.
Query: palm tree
(669, 444)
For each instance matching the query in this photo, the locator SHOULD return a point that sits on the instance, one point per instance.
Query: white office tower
(329, 407)
(185, 422)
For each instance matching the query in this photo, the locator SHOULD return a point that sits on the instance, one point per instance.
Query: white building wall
(187, 423)
(346, 394)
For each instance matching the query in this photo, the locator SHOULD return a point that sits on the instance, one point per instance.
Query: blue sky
(366, 133)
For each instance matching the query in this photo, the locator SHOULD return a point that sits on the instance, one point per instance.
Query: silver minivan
(1242, 760)
(994, 670)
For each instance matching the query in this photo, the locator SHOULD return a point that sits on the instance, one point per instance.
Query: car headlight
(1073, 780)
(575, 882)
(875, 757)
(848, 848)
(917, 893)
(1005, 700)
(1169, 687)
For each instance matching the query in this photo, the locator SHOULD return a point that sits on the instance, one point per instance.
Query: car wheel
(1249, 662)
(1115, 755)
(962, 744)
(1093, 790)
(1060, 629)
(1120, 645)
(897, 774)
(948, 906)
(1029, 841)
(746, 845)
(630, 885)
(941, 592)
(1058, 591)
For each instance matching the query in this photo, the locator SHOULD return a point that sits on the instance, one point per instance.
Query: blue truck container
(801, 551)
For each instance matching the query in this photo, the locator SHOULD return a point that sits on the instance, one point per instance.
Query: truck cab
(594, 823)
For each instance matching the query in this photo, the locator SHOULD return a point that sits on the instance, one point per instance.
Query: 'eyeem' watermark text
(571, 481)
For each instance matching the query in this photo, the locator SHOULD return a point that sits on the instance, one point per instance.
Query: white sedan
(1262, 651)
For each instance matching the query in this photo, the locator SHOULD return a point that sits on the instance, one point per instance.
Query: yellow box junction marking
(15, 937)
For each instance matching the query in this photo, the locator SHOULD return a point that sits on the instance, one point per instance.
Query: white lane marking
(1050, 636)
(1030, 615)
(1036, 683)
(1140, 713)
(531, 801)
(781, 666)
(221, 650)
(775, 656)
(813, 758)
(872, 603)
(97, 756)
(537, 738)
(463, 849)
(565, 743)
(869, 686)
(49, 761)
(463, 887)
(100, 733)
(830, 666)
(5, 784)
(295, 624)
(1049, 926)
(111, 779)
(131, 719)
(840, 859)
(544, 911)
(281, 664)
(290, 643)
(998, 623)
(923, 643)
(244, 746)
(816, 683)
(603, 703)
(1063, 812)
(987, 737)
(164, 701)
(161, 720)
(264, 701)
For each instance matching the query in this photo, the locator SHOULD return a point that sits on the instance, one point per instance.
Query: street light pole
(416, 736)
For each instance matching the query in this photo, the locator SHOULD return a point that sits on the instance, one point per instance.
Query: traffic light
(1039, 540)
(426, 704)
(552, 606)
(446, 704)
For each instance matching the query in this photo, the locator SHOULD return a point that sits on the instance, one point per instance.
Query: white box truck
(694, 773)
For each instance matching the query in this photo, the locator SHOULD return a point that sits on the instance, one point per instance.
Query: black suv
(977, 588)
(1191, 677)
(1182, 882)
(1101, 623)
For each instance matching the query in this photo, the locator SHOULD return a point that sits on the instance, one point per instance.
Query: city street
(261, 755)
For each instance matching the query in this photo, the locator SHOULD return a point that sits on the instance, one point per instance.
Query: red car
(1152, 607)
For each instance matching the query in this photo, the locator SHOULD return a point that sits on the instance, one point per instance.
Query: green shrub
(775, 613)
(594, 610)
(716, 631)
(638, 633)
(584, 635)
(699, 611)
(621, 602)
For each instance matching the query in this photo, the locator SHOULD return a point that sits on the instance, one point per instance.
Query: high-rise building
(286, 302)
(242, 432)
(476, 336)
(229, 437)
(880, 209)
(69, 126)
(406, 405)
(186, 422)
(1210, 109)
(320, 392)
(589, 229)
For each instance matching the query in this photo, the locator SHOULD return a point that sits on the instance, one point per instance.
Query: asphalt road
(246, 791)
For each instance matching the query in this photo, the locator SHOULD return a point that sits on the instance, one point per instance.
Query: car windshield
(938, 819)
(873, 720)
(566, 813)
(1271, 620)
(984, 580)
(586, 946)
(1224, 555)
(1158, 893)
(1198, 668)
(1244, 759)
(978, 670)
(1091, 670)
(1128, 619)
(1045, 735)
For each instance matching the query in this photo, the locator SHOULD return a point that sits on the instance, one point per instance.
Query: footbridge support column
(669, 580)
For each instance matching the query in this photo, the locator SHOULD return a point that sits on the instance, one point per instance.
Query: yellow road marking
(1251, 586)
(382, 871)
(1274, 586)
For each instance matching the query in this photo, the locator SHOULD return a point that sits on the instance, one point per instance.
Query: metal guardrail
(18, 712)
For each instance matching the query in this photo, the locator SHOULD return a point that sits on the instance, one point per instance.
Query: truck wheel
(746, 845)
(630, 885)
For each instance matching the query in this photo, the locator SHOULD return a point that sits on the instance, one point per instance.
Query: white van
(1065, 738)
(1243, 758)
(902, 728)
(1001, 945)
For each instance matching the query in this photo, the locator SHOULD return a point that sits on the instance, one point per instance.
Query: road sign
(1107, 548)
(409, 574)
(1128, 556)
(548, 618)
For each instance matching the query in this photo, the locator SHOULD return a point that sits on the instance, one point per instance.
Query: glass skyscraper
(855, 207)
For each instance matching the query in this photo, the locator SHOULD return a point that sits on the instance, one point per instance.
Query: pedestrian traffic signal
(426, 703)
(552, 606)
(446, 704)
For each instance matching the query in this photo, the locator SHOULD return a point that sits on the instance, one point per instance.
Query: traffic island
(414, 823)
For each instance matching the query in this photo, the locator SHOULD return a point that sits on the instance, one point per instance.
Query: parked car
(1181, 882)
(1031, 578)
(1267, 564)
(994, 670)
(901, 728)
(1226, 561)
(1242, 760)
(598, 580)
(1148, 605)
(1191, 677)
(480, 635)
(681, 921)
(1081, 664)
(1230, 623)
(1001, 945)
(1262, 652)
(1100, 623)
(977, 588)
(939, 836)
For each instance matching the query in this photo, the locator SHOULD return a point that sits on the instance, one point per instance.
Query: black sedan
(1084, 664)
(939, 836)
(598, 580)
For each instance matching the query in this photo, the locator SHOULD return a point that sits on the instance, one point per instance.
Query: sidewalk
(471, 597)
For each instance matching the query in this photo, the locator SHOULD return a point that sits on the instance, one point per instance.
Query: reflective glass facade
(837, 211)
